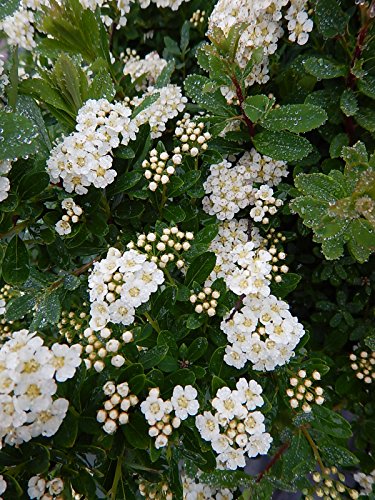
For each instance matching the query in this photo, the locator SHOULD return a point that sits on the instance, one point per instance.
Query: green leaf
(338, 455)
(197, 349)
(329, 422)
(365, 116)
(67, 434)
(28, 108)
(337, 143)
(256, 106)
(16, 264)
(125, 182)
(330, 19)
(102, 86)
(324, 69)
(147, 101)
(136, 432)
(320, 186)
(152, 357)
(287, 284)
(299, 458)
(295, 118)
(348, 103)
(48, 310)
(8, 7)
(366, 86)
(32, 184)
(362, 243)
(174, 213)
(165, 76)
(137, 383)
(214, 102)
(200, 268)
(370, 342)
(18, 136)
(18, 307)
(282, 145)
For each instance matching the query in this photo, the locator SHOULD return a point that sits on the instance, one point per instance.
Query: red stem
(350, 82)
(241, 99)
(274, 459)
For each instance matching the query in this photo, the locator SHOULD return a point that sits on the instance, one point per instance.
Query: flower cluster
(329, 483)
(366, 481)
(144, 72)
(5, 168)
(73, 213)
(364, 365)
(263, 332)
(155, 491)
(119, 284)
(191, 135)
(235, 430)
(73, 323)
(3, 486)
(265, 204)
(272, 242)
(194, 489)
(263, 169)
(302, 393)
(157, 412)
(263, 19)
(28, 371)
(157, 170)
(116, 408)
(172, 4)
(205, 301)
(228, 188)
(168, 105)
(84, 157)
(40, 488)
(165, 248)
(299, 24)
(19, 28)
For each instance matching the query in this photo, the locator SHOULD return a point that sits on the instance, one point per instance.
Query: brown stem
(76, 272)
(241, 99)
(350, 81)
(237, 306)
(274, 459)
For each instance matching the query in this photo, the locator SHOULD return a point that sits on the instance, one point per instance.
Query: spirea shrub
(187, 224)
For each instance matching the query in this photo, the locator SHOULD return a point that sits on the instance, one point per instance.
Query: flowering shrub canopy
(187, 226)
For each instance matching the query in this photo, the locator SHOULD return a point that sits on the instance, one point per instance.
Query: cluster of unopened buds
(164, 248)
(157, 413)
(198, 17)
(272, 243)
(101, 347)
(73, 323)
(40, 488)
(205, 301)
(156, 491)
(6, 293)
(330, 483)
(116, 408)
(363, 364)
(158, 169)
(72, 215)
(265, 204)
(191, 135)
(302, 393)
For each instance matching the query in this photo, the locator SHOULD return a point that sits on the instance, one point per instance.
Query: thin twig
(241, 100)
(274, 459)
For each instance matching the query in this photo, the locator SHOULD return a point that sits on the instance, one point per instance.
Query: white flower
(249, 393)
(221, 443)
(153, 408)
(207, 425)
(258, 444)
(184, 401)
(3, 485)
(36, 487)
(232, 458)
(227, 404)
(55, 486)
(66, 360)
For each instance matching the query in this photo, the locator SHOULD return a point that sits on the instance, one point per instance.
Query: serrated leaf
(256, 106)
(165, 76)
(282, 145)
(370, 342)
(18, 307)
(324, 69)
(320, 186)
(295, 118)
(213, 102)
(338, 455)
(18, 136)
(329, 422)
(102, 86)
(366, 86)
(348, 103)
(8, 7)
(330, 19)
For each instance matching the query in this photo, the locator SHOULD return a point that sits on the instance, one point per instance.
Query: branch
(241, 99)
(274, 459)
(237, 306)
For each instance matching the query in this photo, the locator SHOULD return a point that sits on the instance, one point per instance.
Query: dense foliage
(187, 226)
